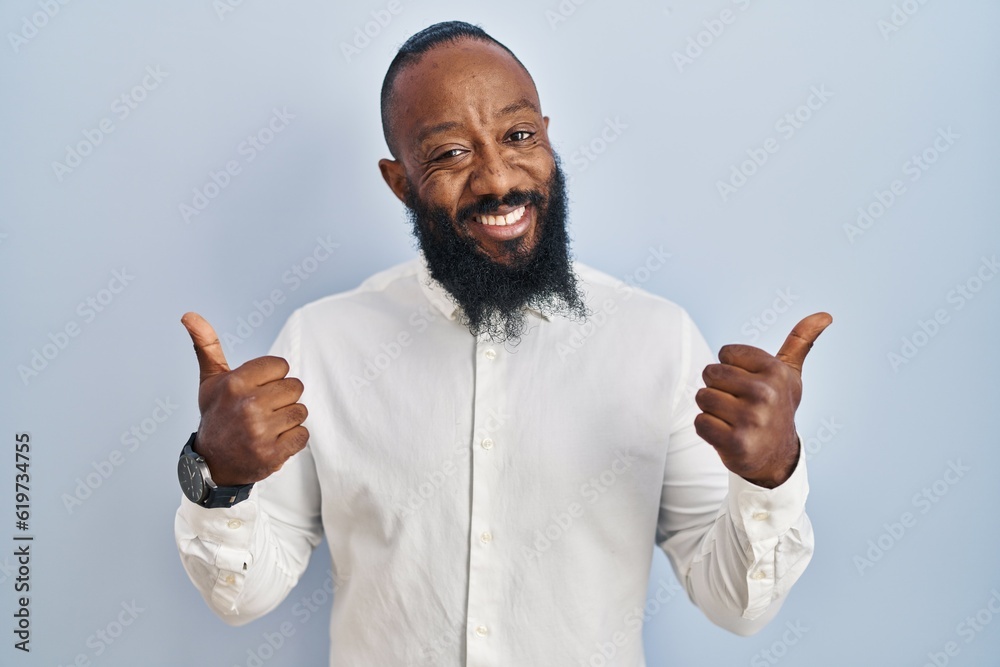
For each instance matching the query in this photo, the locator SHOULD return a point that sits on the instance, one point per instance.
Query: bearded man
(488, 500)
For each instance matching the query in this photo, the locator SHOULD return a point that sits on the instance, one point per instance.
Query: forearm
(740, 568)
(239, 562)
(245, 559)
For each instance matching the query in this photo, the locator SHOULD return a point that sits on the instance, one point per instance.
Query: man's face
(483, 187)
(468, 131)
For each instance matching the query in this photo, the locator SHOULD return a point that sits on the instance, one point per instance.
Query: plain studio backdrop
(752, 161)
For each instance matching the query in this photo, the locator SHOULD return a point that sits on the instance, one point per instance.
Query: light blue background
(654, 185)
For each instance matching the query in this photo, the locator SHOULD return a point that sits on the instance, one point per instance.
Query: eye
(447, 155)
(521, 135)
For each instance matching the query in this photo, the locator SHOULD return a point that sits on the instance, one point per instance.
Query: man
(488, 498)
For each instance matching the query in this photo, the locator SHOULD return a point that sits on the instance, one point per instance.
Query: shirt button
(486, 537)
(761, 516)
(487, 443)
(234, 523)
(230, 579)
(482, 630)
(490, 354)
(758, 575)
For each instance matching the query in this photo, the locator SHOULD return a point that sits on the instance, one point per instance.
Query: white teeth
(502, 220)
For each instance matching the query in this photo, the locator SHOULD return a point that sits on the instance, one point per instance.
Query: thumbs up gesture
(749, 401)
(251, 422)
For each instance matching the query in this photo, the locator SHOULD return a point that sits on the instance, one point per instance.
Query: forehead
(464, 81)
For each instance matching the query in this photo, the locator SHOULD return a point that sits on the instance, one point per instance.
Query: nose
(491, 175)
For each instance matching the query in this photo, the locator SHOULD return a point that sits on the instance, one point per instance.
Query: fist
(748, 405)
(251, 420)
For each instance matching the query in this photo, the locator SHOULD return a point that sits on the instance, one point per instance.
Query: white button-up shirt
(494, 505)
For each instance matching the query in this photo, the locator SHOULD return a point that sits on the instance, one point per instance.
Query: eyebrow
(435, 129)
(509, 110)
(520, 105)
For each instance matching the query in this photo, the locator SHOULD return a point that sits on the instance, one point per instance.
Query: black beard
(492, 295)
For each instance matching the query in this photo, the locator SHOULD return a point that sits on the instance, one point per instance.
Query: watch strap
(226, 496)
(217, 496)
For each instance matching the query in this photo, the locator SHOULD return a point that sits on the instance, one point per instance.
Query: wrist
(196, 480)
(778, 476)
(216, 470)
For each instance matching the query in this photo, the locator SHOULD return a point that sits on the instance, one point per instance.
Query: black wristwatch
(197, 484)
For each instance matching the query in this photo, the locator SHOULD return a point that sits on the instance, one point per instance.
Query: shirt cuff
(778, 538)
(763, 514)
(224, 539)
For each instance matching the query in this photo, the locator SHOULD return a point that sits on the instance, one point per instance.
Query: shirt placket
(485, 596)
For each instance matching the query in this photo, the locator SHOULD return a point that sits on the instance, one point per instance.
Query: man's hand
(251, 422)
(749, 401)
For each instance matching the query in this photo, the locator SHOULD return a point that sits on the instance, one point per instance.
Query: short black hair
(414, 48)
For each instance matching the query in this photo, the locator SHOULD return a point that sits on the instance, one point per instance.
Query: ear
(395, 177)
(545, 119)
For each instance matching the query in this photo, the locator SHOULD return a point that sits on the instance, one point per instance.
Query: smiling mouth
(503, 225)
(500, 220)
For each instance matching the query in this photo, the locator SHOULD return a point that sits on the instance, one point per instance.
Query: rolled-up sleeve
(246, 559)
(736, 547)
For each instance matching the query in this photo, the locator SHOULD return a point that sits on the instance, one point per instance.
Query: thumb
(795, 348)
(211, 359)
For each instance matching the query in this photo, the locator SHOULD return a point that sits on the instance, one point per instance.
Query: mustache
(493, 296)
(490, 205)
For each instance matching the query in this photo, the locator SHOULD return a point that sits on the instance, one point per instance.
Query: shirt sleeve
(736, 547)
(246, 559)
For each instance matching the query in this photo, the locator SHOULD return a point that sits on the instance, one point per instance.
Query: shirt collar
(441, 298)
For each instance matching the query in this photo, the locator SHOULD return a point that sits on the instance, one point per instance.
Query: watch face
(192, 483)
